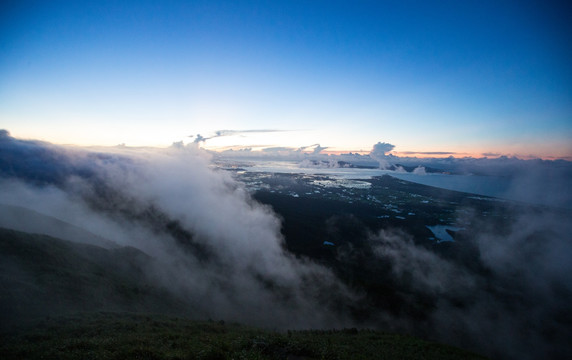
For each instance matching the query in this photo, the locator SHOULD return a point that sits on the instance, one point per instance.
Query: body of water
(480, 185)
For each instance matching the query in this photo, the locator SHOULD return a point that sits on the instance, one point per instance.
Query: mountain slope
(23, 219)
(41, 275)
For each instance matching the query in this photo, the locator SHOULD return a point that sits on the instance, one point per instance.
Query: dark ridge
(26, 220)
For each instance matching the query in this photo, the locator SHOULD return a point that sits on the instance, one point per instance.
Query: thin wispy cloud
(219, 133)
(276, 149)
(428, 152)
(222, 133)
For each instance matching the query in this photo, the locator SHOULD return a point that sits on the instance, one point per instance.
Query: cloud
(490, 154)
(217, 248)
(380, 148)
(505, 290)
(428, 153)
(535, 181)
(319, 164)
(318, 149)
(502, 292)
(378, 153)
(222, 133)
(278, 149)
(240, 132)
(199, 138)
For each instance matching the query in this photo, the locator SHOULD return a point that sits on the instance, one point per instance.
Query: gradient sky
(451, 76)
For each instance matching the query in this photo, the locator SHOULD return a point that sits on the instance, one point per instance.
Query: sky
(462, 78)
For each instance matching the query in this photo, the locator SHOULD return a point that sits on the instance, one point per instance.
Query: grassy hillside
(41, 275)
(46, 282)
(132, 336)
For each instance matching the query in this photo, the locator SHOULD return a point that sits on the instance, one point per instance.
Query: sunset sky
(463, 77)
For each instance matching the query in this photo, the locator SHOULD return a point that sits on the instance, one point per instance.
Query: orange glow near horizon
(164, 138)
(412, 154)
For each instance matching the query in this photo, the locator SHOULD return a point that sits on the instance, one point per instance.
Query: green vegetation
(55, 280)
(105, 335)
(41, 275)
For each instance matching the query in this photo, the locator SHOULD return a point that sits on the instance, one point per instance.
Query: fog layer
(215, 246)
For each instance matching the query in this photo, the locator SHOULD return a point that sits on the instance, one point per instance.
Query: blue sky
(467, 77)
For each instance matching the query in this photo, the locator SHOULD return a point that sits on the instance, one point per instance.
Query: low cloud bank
(507, 294)
(544, 182)
(216, 247)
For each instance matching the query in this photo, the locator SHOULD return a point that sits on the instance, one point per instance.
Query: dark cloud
(199, 138)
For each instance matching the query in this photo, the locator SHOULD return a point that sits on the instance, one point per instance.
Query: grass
(135, 336)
